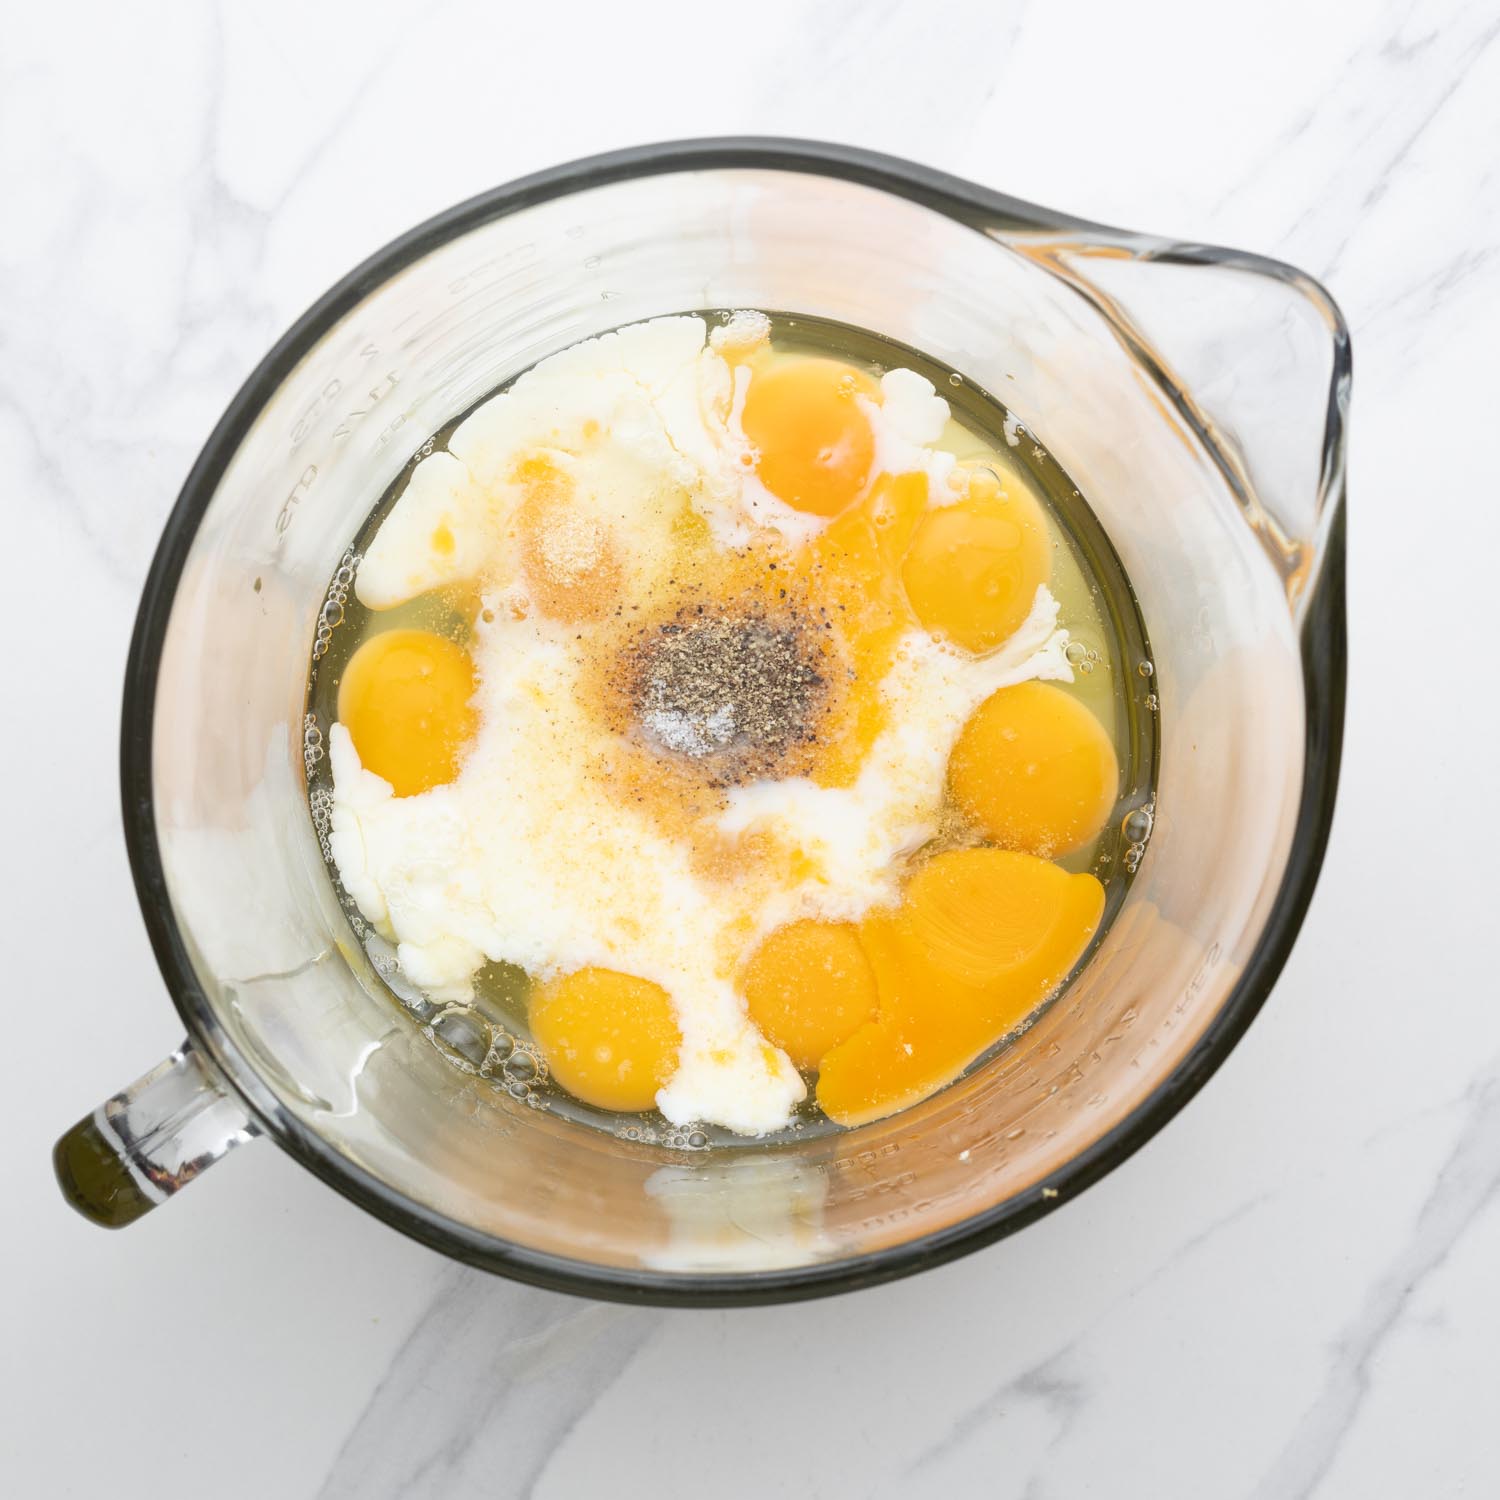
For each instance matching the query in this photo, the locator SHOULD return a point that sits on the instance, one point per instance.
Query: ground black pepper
(735, 692)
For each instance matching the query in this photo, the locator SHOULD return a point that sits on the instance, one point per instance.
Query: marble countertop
(1291, 1292)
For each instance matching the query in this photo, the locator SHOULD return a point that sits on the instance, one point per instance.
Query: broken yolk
(808, 987)
(974, 567)
(816, 446)
(610, 1039)
(405, 700)
(853, 569)
(1035, 770)
(571, 563)
(982, 937)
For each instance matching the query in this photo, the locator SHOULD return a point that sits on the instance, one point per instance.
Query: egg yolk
(808, 987)
(610, 1039)
(974, 566)
(982, 937)
(405, 700)
(816, 446)
(1035, 770)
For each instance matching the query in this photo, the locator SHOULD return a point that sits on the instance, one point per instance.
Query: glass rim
(1323, 646)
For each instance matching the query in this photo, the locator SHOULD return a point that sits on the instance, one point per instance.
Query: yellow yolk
(610, 1039)
(974, 567)
(404, 698)
(816, 446)
(982, 937)
(808, 987)
(1035, 770)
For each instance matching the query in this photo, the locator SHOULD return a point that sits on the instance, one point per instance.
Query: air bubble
(462, 1033)
(516, 1089)
(522, 1066)
(955, 379)
(697, 1141)
(320, 804)
(1152, 702)
(1076, 652)
(1136, 825)
(312, 745)
(331, 615)
(500, 1050)
(1145, 669)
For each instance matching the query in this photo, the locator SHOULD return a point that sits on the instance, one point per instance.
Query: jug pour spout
(1250, 356)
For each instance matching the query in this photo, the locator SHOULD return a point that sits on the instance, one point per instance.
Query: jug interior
(284, 993)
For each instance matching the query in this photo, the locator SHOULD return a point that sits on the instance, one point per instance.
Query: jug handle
(152, 1138)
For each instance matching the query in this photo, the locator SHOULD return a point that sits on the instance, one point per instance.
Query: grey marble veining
(1290, 1293)
(1465, 1186)
(510, 1376)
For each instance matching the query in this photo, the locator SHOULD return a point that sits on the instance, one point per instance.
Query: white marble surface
(1293, 1291)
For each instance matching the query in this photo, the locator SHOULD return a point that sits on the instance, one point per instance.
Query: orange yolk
(610, 1039)
(982, 937)
(405, 700)
(808, 987)
(816, 446)
(1035, 770)
(974, 567)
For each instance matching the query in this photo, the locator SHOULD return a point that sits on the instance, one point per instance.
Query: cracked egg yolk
(405, 699)
(610, 1039)
(1034, 769)
(981, 938)
(816, 447)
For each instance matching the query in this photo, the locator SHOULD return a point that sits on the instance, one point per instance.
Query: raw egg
(808, 987)
(816, 446)
(981, 938)
(737, 607)
(974, 566)
(405, 700)
(610, 1039)
(1035, 770)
